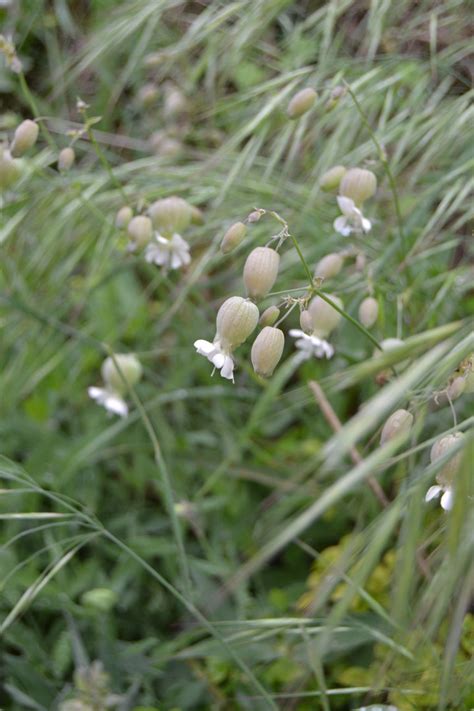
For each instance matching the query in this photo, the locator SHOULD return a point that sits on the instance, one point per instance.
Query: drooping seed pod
(439, 449)
(140, 230)
(261, 271)
(233, 237)
(148, 94)
(324, 317)
(301, 102)
(123, 217)
(336, 95)
(368, 312)
(255, 215)
(456, 387)
(269, 316)
(306, 322)
(176, 104)
(170, 215)
(123, 370)
(236, 319)
(197, 216)
(267, 350)
(401, 421)
(24, 138)
(358, 185)
(9, 169)
(66, 159)
(329, 266)
(331, 179)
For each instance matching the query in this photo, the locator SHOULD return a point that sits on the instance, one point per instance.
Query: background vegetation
(220, 547)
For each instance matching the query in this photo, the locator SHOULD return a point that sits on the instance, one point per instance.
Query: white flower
(170, 253)
(352, 219)
(311, 345)
(447, 498)
(220, 358)
(112, 402)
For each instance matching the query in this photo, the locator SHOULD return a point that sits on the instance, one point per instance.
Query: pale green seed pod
(197, 216)
(324, 317)
(129, 370)
(236, 319)
(24, 138)
(301, 102)
(123, 217)
(401, 421)
(306, 322)
(267, 350)
(358, 185)
(66, 159)
(368, 312)
(172, 214)
(176, 104)
(331, 179)
(261, 271)
(329, 266)
(269, 316)
(233, 237)
(456, 387)
(100, 599)
(9, 169)
(140, 230)
(439, 449)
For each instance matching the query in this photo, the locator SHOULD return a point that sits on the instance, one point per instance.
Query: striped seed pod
(261, 271)
(267, 350)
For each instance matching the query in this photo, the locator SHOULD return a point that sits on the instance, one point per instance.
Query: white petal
(347, 206)
(178, 243)
(447, 500)
(176, 261)
(114, 403)
(342, 226)
(366, 224)
(98, 394)
(433, 492)
(296, 333)
(218, 360)
(156, 255)
(162, 240)
(227, 370)
(204, 348)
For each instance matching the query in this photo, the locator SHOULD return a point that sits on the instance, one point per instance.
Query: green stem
(106, 164)
(35, 111)
(388, 171)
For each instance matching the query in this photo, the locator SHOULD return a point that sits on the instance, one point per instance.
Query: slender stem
(106, 163)
(34, 109)
(383, 159)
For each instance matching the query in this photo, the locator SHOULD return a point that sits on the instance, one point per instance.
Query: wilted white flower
(445, 477)
(112, 401)
(352, 219)
(311, 346)
(170, 253)
(218, 356)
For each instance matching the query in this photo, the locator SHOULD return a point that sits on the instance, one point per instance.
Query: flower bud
(170, 215)
(66, 159)
(123, 217)
(100, 599)
(9, 169)
(140, 230)
(269, 316)
(261, 271)
(439, 449)
(368, 312)
(233, 237)
(267, 350)
(401, 421)
(336, 95)
(456, 387)
(329, 266)
(306, 322)
(255, 215)
(358, 185)
(331, 179)
(197, 216)
(129, 370)
(324, 318)
(236, 319)
(24, 138)
(301, 102)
